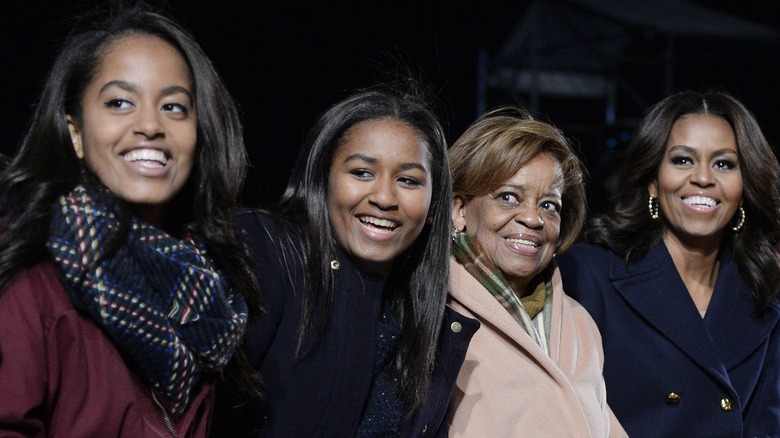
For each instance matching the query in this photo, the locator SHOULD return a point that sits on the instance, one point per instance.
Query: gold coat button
(456, 327)
(335, 265)
(726, 405)
(673, 398)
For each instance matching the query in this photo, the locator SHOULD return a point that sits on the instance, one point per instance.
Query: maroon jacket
(60, 376)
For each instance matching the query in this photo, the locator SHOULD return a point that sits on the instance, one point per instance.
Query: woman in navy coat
(353, 263)
(682, 278)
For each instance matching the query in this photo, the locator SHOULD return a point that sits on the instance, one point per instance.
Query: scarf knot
(161, 300)
(469, 253)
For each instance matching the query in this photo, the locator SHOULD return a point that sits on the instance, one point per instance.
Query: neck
(698, 268)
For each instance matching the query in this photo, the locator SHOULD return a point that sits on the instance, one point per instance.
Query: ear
(652, 189)
(459, 213)
(75, 136)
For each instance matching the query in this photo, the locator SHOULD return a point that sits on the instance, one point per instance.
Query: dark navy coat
(669, 372)
(325, 393)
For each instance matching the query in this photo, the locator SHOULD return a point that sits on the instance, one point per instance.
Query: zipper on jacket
(166, 418)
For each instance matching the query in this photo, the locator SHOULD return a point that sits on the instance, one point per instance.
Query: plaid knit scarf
(469, 253)
(161, 300)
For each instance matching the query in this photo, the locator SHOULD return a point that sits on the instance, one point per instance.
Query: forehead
(702, 131)
(543, 171)
(142, 57)
(385, 138)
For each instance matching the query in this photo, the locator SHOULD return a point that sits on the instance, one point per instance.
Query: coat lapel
(654, 289)
(736, 337)
(476, 301)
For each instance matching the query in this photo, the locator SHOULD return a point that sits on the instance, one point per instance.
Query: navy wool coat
(669, 372)
(325, 393)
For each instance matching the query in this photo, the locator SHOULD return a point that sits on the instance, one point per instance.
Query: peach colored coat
(508, 386)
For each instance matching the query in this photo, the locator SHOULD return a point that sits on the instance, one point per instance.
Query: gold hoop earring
(738, 227)
(652, 206)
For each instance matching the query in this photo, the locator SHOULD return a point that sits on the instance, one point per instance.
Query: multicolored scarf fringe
(161, 300)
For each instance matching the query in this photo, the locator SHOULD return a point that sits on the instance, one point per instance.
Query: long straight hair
(46, 166)
(417, 284)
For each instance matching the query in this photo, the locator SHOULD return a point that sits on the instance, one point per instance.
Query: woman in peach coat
(534, 368)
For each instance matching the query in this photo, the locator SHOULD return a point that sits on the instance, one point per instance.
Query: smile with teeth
(522, 242)
(702, 201)
(147, 157)
(378, 225)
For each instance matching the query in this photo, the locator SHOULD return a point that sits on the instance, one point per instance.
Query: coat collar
(654, 288)
(472, 299)
(349, 277)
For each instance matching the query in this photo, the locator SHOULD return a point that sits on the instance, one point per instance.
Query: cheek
(339, 206)
(184, 138)
(669, 181)
(737, 188)
(554, 232)
(189, 141)
(416, 203)
(95, 142)
(473, 212)
(338, 195)
(335, 220)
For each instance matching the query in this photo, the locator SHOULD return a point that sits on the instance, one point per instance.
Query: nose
(702, 175)
(383, 195)
(528, 214)
(148, 122)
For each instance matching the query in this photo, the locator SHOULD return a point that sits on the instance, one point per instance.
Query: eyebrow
(130, 88)
(372, 160)
(692, 151)
(521, 189)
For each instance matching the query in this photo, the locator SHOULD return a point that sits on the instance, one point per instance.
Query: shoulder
(35, 292)
(254, 221)
(266, 239)
(579, 315)
(582, 258)
(584, 252)
(44, 343)
(457, 330)
(458, 327)
(571, 308)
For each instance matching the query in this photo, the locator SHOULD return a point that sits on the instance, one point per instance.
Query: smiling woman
(379, 192)
(357, 340)
(121, 303)
(536, 363)
(138, 126)
(682, 276)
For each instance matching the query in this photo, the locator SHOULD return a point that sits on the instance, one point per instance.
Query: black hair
(45, 166)
(628, 228)
(417, 284)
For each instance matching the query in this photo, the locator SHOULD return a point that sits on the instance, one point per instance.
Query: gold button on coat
(725, 404)
(456, 327)
(335, 265)
(672, 398)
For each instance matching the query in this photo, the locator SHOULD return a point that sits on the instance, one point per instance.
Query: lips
(523, 243)
(147, 157)
(378, 225)
(700, 201)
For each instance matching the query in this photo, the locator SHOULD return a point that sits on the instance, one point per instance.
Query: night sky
(286, 62)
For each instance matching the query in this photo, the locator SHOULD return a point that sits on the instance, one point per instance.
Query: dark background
(286, 62)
